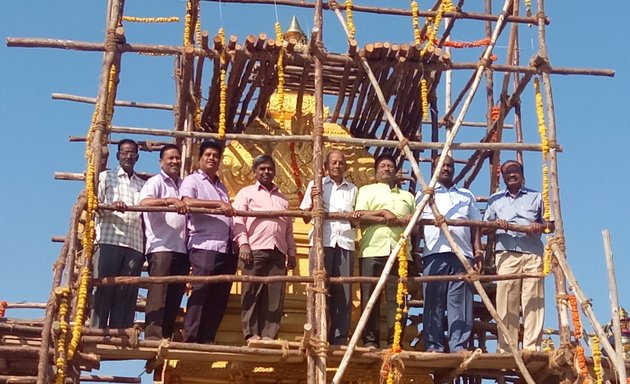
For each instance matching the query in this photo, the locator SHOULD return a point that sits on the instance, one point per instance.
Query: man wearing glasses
(119, 241)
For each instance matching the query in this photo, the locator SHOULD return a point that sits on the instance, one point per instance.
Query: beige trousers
(524, 296)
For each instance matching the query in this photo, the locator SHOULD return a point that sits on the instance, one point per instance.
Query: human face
(265, 172)
(127, 157)
(336, 165)
(386, 172)
(445, 176)
(512, 176)
(171, 162)
(209, 161)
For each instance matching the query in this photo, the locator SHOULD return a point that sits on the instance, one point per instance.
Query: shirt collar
(121, 172)
(259, 186)
(521, 191)
(395, 188)
(328, 179)
(167, 177)
(440, 186)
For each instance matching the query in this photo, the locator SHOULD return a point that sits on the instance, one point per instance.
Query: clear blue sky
(590, 113)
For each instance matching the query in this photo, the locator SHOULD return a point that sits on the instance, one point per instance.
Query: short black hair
(167, 147)
(211, 144)
(263, 159)
(127, 141)
(513, 162)
(385, 156)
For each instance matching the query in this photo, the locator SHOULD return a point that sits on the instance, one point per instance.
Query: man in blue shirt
(518, 252)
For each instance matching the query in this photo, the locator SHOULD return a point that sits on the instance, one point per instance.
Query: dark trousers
(453, 297)
(163, 299)
(262, 303)
(207, 302)
(338, 262)
(114, 306)
(373, 266)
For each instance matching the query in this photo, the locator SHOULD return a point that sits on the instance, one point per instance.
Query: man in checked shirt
(119, 241)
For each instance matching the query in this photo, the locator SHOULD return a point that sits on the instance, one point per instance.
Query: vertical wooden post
(560, 278)
(321, 313)
(614, 306)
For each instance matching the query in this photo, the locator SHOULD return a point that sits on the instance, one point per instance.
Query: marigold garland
(349, 20)
(198, 25)
(415, 21)
(432, 30)
(280, 70)
(295, 169)
(401, 309)
(577, 333)
(187, 23)
(597, 361)
(424, 97)
(61, 362)
(547, 259)
(579, 353)
(528, 7)
(223, 90)
(133, 19)
(544, 142)
(467, 44)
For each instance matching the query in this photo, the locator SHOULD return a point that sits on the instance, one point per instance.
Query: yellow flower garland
(280, 70)
(89, 230)
(424, 95)
(349, 20)
(187, 23)
(401, 308)
(61, 362)
(528, 7)
(133, 19)
(198, 25)
(415, 21)
(223, 90)
(597, 361)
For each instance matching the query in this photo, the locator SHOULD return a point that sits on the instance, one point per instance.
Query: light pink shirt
(263, 233)
(164, 231)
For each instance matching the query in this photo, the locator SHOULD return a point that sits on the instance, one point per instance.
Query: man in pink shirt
(166, 252)
(209, 245)
(267, 248)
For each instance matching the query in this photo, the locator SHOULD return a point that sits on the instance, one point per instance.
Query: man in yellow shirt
(383, 198)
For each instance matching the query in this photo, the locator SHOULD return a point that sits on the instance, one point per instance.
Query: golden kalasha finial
(295, 32)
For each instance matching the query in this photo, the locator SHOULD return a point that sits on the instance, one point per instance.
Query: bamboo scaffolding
(327, 57)
(426, 199)
(146, 280)
(560, 279)
(118, 103)
(328, 139)
(614, 306)
(329, 5)
(367, 218)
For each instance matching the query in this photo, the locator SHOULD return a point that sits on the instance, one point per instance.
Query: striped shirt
(119, 228)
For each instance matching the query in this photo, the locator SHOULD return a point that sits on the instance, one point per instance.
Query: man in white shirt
(338, 195)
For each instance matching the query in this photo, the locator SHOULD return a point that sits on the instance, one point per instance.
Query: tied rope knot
(403, 143)
(540, 15)
(428, 191)
(284, 344)
(320, 347)
(113, 41)
(473, 276)
(318, 213)
(333, 4)
(485, 62)
(439, 220)
(134, 335)
(318, 130)
(553, 143)
(319, 276)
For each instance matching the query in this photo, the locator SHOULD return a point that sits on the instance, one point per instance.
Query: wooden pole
(118, 103)
(321, 312)
(614, 306)
(146, 280)
(585, 304)
(329, 139)
(560, 280)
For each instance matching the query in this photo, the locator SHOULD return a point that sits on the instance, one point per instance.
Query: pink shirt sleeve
(240, 229)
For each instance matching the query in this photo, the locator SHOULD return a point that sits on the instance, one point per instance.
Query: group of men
(204, 244)
(181, 242)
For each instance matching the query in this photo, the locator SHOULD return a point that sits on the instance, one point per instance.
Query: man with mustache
(266, 248)
(209, 245)
(120, 241)
(518, 252)
(385, 199)
(165, 244)
(453, 297)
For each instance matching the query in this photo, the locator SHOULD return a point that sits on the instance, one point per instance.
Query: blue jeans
(453, 297)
